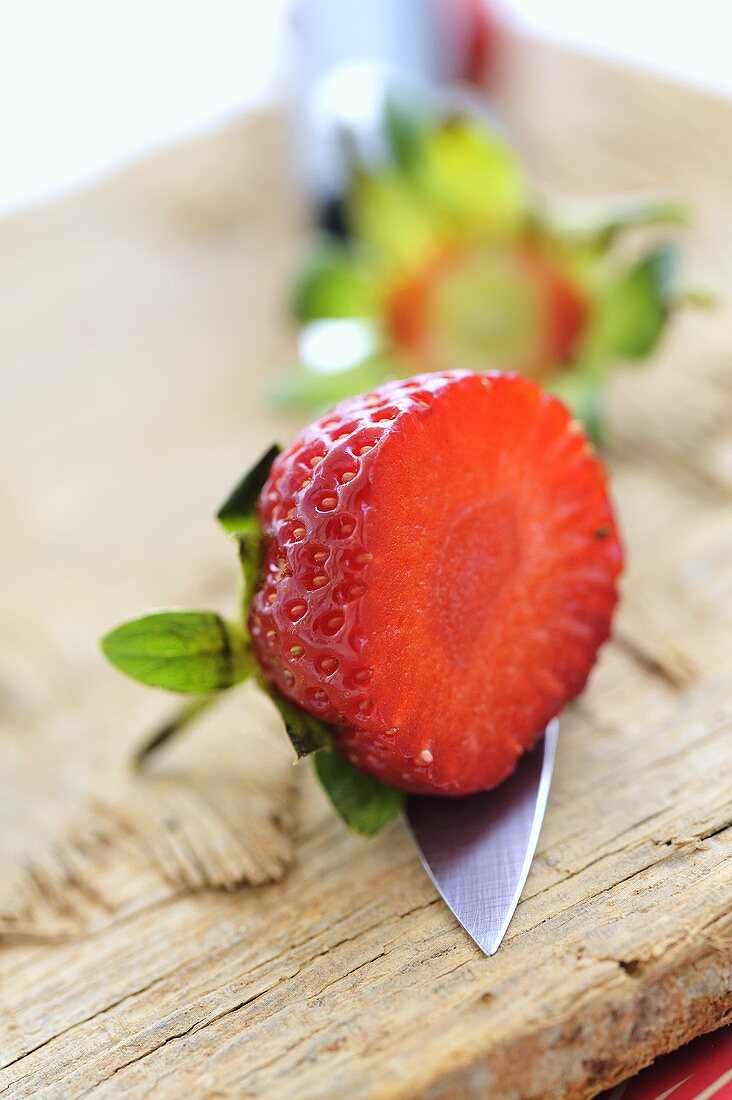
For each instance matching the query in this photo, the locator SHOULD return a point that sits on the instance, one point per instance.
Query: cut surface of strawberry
(507, 309)
(440, 565)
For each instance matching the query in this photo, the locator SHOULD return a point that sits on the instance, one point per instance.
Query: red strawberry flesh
(440, 568)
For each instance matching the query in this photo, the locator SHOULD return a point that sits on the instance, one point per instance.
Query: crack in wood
(134, 1061)
(342, 977)
(278, 1058)
(569, 873)
(86, 1020)
(590, 897)
(196, 1026)
(199, 1025)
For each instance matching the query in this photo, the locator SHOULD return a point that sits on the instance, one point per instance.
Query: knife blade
(478, 850)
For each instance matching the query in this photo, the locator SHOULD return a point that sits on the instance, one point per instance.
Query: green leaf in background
(406, 130)
(632, 312)
(334, 284)
(474, 183)
(452, 181)
(193, 652)
(302, 388)
(238, 516)
(365, 805)
(307, 733)
(581, 390)
(598, 221)
(388, 215)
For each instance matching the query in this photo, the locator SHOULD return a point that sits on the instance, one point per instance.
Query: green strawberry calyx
(200, 654)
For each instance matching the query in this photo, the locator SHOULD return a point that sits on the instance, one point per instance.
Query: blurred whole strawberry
(452, 262)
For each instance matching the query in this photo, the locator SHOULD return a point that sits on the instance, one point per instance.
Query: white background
(88, 84)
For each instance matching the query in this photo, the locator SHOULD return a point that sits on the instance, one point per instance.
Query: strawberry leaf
(580, 388)
(249, 549)
(365, 804)
(389, 216)
(238, 517)
(238, 512)
(334, 284)
(633, 311)
(307, 733)
(406, 131)
(472, 181)
(193, 652)
(597, 222)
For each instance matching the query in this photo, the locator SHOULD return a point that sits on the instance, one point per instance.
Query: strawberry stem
(178, 721)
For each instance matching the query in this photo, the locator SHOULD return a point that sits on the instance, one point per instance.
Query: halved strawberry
(440, 564)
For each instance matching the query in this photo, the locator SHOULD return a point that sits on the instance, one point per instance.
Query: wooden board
(139, 322)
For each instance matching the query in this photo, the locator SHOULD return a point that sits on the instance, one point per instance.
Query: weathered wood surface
(138, 322)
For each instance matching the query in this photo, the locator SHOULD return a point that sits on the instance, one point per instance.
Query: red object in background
(478, 27)
(702, 1070)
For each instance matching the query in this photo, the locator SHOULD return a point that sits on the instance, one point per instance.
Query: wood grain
(139, 322)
